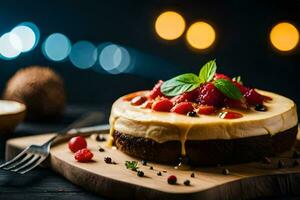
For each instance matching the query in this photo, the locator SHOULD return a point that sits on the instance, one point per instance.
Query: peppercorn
(159, 174)
(107, 160)
(101, 149)
(193, 175)
(151, 167)
(192, 114)
(100, 138)
(187, 182)
(144, 162)
(140, 173)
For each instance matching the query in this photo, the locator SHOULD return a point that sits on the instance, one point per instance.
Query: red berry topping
(253, 97)
(172, 180)
(138, 100)
(206, 110)
(232, 103)
(210, 95)
(83, 155)
(230, 115)
(187, 96)
(243, 89)
(221, 76)
(163, 105)
(155, 92)
(77, 143)
(183, 108)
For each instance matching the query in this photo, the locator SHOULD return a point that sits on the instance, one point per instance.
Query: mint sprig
(228, 89)
(208, 71)
(133, 165)
(188, 82)
(180, 84)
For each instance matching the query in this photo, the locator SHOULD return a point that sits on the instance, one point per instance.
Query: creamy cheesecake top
(164, 126)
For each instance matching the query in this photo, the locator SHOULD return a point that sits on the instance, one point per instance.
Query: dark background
(242, 46)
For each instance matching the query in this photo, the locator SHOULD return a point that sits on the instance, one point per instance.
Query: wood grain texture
(245, 181)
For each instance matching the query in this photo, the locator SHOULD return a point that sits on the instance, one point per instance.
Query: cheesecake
(206, 119)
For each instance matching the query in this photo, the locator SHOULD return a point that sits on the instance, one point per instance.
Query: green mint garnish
(228, 89)
(131, 165)
(188, 82)
(208, 71)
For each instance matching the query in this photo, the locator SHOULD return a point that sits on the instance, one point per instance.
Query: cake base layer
(207, 152)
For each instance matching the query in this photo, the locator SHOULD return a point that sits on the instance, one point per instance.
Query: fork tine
(18, 162)
(14, 159)
(31, 161)
(30, 168)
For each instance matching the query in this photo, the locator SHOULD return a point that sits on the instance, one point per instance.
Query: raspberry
(206, 110)
(232, 103)
(221, 76)
(163, 105)
(172, 180)
(210, 95)
(155, 92)
(77, 143)
(187, 96)
(83, 155)
(183, 108)
(243, 89)
(253, 97)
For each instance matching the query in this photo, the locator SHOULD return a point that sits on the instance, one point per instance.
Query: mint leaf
(228, 89)
(180, 84)
(208, 71)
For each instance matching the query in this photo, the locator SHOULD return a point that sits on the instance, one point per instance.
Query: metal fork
(34, 155)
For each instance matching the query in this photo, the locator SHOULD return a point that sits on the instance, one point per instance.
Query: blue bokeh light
(114, 59)
(56, 47)
(83, 54)
(26, 36)
(7, 49)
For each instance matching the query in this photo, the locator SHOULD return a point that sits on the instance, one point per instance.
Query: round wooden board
(245, 181)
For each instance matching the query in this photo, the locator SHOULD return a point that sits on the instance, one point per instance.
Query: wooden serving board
(245, 181)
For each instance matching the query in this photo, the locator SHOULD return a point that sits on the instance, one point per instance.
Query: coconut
(40, 89)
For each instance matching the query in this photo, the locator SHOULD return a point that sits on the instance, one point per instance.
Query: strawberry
(232, 103)
(254, 98)
(183, 108)
(210, 95)
(155, 92)
(221, 76)
(187, 96)
(243, 89)
(206, 110)
(163, 105)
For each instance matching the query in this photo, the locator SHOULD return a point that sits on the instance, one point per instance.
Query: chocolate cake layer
(207, 152)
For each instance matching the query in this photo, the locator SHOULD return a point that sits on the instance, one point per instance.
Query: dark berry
(187, 182)
(225, 171)
(280, 164)
(254, 97)
(172, 180)
(296, 154)
(144, 162)
(151, 167)
(140, 173)
(100, 138)
(260, 107)
(159, 174)
(107, 160)
(266, 160)
(192, 114)
(101, 149)
(296, 163)
(192, 175)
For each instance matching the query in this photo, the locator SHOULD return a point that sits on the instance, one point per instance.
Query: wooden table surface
(43, 183)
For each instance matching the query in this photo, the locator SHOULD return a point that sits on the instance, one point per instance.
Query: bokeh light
(200, 35)
(26, 37)
(7, 49)
(35, 29)
(56, 47)
(170, 25)
(284, 36)
(83, 54)
(114, 59)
